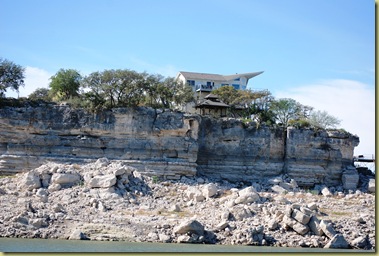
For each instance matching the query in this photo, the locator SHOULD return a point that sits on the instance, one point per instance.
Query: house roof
(217, 77)
(211, 104)
(211, 101)
(211, 96)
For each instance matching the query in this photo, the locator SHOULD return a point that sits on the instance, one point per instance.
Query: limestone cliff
(171, 144)
(160, 143)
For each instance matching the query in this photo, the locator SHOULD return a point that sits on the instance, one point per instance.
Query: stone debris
(109, 200)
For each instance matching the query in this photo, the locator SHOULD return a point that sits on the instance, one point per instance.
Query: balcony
(204, 88)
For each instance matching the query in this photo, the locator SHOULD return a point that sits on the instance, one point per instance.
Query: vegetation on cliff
(127, 88)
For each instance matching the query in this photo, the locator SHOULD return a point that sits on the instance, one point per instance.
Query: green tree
(114, 88)
(183, 94)
(287, 109)
(322, 119)
(65, 84)
(40, 94)
(228, 94)
(11, 76)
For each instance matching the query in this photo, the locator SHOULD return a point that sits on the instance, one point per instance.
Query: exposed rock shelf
(110, 200)
(173, 145)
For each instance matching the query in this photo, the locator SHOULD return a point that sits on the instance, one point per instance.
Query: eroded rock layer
(172, 144)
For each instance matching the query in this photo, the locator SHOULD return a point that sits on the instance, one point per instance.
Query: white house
(202, 84)
(214, 81)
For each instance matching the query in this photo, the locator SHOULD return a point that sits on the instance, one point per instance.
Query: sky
(320, 53)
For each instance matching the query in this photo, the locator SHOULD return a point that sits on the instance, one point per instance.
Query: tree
(114, 88)
(322, 119)
(65, 84)
(228, 94)
(287, 109)
(11, 76)
(40, 94)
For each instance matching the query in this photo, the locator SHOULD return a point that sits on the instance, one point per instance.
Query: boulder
(306, 210)
(54, 187)
(209, 190)
(326, 192)
(189, 226)
(300, 217)
(38, 223)
(359, 242)
(164, 238)
(77, 235)
(327, 228)
(312, 206)
(301, 229)
(337, 242)
(65, 178)
(42, 192)
(275, 180)
(30, 181)
(119, 171)
(240, 213)
(314, 225)
(102, 181)
(287, 222)
(247, 195)
(194, 194)
(222, 225)
(272, 224)
(278, 189)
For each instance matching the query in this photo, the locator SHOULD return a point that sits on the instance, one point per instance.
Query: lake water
(55, 245)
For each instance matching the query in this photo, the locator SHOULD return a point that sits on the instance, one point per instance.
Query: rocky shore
(109, 200)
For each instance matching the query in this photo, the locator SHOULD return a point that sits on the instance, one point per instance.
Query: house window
(237, 79)
(224, 84)
(236, 86)
(191, 82)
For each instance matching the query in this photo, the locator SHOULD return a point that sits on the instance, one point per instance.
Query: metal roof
(217, 77)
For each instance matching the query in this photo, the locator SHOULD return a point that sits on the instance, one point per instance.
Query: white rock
(209, 190)
(54, 187)
(272, 224)
(337, 242)
(77, 235)
(65, 178)
(275, 180)
(164, 238)
(30, 181)
(314, 225)
(300, 217)
(278, 189)
(104, 181)
(191, 226)
(326, 192)
(38, 223)
(247, 195)
(119, 171)
(327, 228)
(312, 206)
(301, 229)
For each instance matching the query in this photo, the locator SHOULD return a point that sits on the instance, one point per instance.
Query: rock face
(156, 142)
(171, 145)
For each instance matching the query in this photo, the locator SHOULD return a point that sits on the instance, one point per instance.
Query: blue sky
(305, 48)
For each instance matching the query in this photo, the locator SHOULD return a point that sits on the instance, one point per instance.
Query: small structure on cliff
(212, 105)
